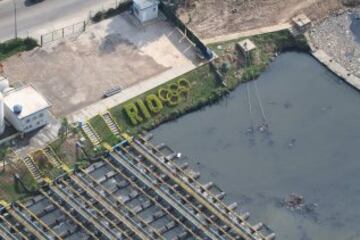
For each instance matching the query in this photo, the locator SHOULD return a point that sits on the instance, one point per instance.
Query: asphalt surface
(36, 19)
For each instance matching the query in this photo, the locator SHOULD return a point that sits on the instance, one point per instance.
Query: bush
(351, 3)
(99, 16)
(14, 46)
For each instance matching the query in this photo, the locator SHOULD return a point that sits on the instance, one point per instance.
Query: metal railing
(61, 33)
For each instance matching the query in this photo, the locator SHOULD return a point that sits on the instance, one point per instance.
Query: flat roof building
(26, 109)
(146, 10)
(246, 46)
(302, 22)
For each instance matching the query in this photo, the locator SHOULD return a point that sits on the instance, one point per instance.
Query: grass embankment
(10, 189)
(47, 168)
(103, 130)
(267, 46)
(14, 46)
(203, 90)
(207, 86)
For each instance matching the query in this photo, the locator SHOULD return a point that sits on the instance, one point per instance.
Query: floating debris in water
(287, 105)
(263, 128)
(325, 109)
(252, 142)
(296, 203)
(250, 131)
(292, 143)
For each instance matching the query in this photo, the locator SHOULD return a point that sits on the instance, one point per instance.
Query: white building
(2, 114)
(26, 109)
(146, 10)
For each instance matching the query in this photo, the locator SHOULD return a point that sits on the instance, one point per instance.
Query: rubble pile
(335, 35)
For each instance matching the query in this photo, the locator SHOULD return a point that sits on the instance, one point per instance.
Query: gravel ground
(211, 18)
(335, 35)
(113, 53)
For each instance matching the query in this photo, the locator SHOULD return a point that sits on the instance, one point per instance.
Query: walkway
(127, 94)
(232, 36)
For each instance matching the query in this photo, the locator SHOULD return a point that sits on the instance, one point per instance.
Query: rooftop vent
(17, 109)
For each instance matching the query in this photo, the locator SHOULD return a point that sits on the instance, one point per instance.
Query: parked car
(31, 2)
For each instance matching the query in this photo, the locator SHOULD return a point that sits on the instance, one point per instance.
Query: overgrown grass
(267, 45)
(10, 191)
(103, 130)
(102, 15)
(11, 47)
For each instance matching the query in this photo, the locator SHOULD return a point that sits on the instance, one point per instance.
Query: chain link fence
(58, 34)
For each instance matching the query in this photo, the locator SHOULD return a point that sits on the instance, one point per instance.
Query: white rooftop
(28, 98)
(301, 20)
(143, 4)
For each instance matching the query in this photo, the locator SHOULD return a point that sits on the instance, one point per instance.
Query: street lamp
(15, 20)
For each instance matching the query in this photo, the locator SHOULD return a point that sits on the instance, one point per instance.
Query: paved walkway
(336, 68)
(232, 36)
(127, 94)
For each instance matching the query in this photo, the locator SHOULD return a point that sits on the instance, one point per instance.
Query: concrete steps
(51, 156)
(295, 32)
(34, 170)
(111, 123)
(91, 134)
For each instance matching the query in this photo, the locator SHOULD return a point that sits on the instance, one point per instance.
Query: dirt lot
(115, 52)
(210, 18)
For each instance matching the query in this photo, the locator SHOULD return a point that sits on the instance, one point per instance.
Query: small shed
(301, 22)
(246, 46)
(146, 10)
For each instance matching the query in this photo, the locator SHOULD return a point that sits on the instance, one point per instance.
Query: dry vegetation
(210, 18)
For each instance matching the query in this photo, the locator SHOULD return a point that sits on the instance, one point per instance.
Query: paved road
(249, 33)
(44, 16)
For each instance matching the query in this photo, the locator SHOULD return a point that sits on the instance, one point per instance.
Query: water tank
(2, 116)
(17, 109)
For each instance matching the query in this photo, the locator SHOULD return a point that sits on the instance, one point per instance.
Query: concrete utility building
(302, 23)
(26, 109)
(246, 46)
(146, 10)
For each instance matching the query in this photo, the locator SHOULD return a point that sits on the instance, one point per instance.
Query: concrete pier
(333, 66)
(336, 68)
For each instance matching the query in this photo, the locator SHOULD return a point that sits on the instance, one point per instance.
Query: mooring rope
(257, 93)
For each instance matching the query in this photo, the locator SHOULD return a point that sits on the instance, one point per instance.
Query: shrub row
(142, 109)
(122, 7)
(14, 46)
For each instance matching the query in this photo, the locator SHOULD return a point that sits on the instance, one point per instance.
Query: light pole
(15, 20)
